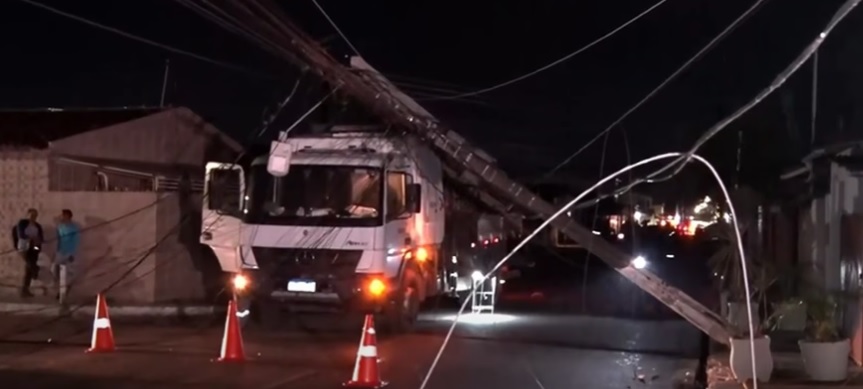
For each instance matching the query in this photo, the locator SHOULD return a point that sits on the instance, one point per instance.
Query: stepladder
(483, 294)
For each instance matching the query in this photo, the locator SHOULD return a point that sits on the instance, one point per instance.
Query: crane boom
(370, 88)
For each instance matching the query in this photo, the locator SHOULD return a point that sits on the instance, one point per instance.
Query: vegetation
(822, 317)
(725, 261)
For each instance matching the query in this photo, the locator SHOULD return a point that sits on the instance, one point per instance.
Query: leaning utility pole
(374, 91)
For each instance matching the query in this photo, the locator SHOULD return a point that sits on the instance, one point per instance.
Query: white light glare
(639, 262)
(476, 275)
(620, 236)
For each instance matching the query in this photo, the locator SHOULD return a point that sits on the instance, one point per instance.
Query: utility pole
(165, 83)
(471, 165)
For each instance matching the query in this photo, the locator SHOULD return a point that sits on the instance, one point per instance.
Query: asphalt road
(500, 351)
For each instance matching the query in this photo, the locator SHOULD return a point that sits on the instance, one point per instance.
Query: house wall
(177, 269)
(846, 199)
(187, 269)
(23, 183)
(118, 232)
(821, 228)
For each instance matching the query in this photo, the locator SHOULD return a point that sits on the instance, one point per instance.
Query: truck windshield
(316, 195)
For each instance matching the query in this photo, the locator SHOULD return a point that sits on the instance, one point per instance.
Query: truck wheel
(404, 309)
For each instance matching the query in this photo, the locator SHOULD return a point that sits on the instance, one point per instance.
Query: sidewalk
(47, 307)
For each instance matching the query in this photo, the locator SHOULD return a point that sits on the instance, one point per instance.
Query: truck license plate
(304, 286)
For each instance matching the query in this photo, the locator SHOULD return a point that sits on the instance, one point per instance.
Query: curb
(47, 310)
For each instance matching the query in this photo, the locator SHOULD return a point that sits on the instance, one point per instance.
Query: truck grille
(280, 265)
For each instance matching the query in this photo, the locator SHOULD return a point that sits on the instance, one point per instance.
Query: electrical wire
(566, 208)
(336, 27)
(140, 39)
(558, 61)
(777, 82)
(105, 290)
(147, 254)
(704, 50)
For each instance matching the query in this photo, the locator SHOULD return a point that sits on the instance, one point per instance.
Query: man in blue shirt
(68, 240)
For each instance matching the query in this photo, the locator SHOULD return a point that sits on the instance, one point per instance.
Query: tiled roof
(37, 128)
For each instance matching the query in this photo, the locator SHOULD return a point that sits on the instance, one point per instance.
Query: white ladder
(483, 295)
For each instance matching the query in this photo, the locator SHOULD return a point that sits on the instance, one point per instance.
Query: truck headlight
(240, 282)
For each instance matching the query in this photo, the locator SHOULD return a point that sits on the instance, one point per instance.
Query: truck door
(221, 223)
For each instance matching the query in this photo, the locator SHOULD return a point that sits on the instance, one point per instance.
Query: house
(826, 194)
(133, 179)
(824, 216)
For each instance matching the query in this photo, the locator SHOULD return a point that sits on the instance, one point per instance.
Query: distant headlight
(476, 275)
(639, 262)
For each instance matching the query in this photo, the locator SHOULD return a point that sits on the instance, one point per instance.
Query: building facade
(133, 179)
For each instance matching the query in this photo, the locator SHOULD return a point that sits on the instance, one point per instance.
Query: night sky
(446, 47)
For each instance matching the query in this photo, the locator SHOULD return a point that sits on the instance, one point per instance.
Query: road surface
(500, 351)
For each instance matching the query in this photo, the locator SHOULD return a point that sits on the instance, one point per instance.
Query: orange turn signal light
(422, 254)
(377, 287)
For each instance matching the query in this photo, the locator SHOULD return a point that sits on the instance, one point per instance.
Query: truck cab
(346, 220)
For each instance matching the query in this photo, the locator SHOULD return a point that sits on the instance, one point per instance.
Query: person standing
(28, 237)
(68, 240)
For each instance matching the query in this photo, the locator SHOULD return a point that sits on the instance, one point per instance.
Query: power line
(336, 27)
(777, 82)
(681, 69)
(557, 62)
(140, 39)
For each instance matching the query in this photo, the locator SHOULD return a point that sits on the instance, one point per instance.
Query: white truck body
(352, 205)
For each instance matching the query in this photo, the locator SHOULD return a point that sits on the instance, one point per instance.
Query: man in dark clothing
(27, 237)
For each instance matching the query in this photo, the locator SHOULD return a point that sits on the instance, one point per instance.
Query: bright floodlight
(476, 275)
(639, 262)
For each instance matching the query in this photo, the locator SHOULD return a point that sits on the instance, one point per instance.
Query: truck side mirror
(413, 198)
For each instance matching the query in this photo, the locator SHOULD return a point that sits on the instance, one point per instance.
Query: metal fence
(67, 176)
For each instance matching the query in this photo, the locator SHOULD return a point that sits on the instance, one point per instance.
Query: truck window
(397, 183)
(223, 190)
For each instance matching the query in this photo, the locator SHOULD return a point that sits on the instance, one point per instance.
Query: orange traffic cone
(232, 340)
(103, 336)
(366, 373)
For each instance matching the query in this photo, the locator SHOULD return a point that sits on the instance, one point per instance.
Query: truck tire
(402, 314)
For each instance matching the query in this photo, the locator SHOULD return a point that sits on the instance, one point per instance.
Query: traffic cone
(103, 336)
(232, 340)
(366, 374)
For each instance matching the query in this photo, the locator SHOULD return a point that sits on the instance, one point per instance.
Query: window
(397, 183)
(318, 195)
(223, 190)
(74, 177)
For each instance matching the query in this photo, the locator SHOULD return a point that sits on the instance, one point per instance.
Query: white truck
(349, 219)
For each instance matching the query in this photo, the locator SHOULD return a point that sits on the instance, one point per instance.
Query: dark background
(434, 48)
